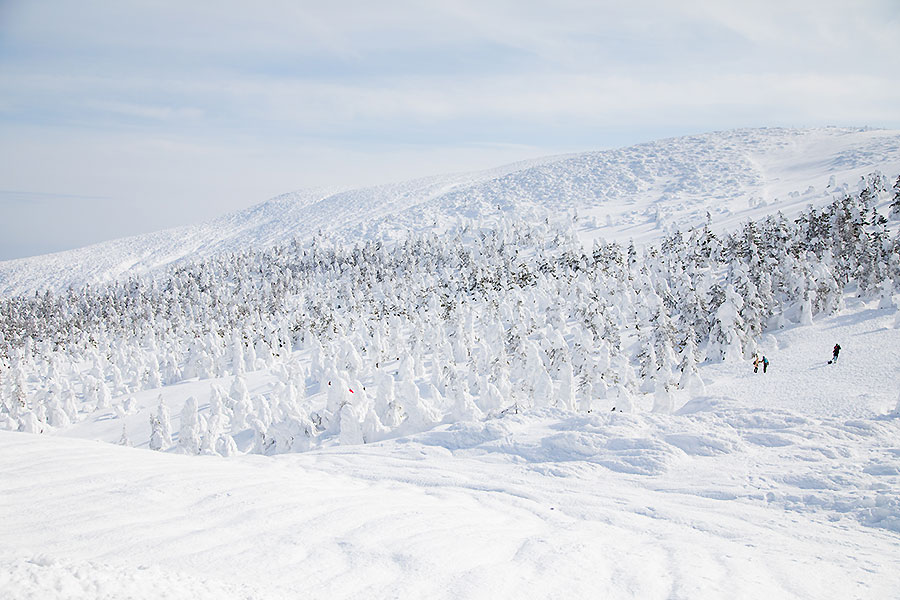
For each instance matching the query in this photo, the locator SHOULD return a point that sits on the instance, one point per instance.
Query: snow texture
(502, 440)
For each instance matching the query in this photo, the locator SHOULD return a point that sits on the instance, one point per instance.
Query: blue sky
(123, 117)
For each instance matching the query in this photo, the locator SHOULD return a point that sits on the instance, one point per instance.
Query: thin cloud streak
(311, 108)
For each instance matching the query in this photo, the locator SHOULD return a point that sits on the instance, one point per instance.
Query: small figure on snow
(836, 351)
(756, 361)
(765, 364)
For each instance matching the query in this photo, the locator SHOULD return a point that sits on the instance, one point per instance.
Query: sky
(118, 118)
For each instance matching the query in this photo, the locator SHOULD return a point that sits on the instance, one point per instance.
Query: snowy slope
(779, 485)
(635, 193)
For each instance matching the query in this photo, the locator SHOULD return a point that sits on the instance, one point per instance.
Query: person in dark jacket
(835, 352)
(765, 363)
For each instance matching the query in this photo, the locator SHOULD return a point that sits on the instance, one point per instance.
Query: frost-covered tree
(726, 337)
(29, 423)
(163, 425)
(565, 395)
(690, 377)
(190, 431)
(418, 415)
(123, 439)
(350, 425)
(895, 203)
(491, 401)
(226, 446)
(156, 435)
(806, 310)
(484, 318)
(241, 404)
(663, 401)
(542, 384)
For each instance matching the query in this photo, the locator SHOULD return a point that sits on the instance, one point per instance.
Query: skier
(765, 363)
(837, 350)
(756, 362)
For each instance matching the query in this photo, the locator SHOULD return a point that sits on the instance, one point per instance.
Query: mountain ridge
(635, 193)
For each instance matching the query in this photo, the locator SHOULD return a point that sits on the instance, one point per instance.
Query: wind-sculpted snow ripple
(768, 456)
(620, 442)
(46, 577)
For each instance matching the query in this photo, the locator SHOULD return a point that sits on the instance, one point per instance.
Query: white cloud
(197, 107)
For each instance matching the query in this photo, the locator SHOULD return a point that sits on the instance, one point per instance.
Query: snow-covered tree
(895, 203)
(726, 337)
(123, 439)
(160, 427)
(190, 431)
(483, 318)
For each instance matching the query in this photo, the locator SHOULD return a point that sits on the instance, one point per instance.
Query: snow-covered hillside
(536, 382)
(637, 193)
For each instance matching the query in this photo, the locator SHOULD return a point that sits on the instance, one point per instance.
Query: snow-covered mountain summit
(640, 193)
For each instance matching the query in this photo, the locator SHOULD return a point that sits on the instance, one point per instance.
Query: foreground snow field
(783, 485)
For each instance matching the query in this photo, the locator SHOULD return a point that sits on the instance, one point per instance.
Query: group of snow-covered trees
(360, 343)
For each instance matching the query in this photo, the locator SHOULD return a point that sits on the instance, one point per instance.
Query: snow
(555, 515)
(636, 193)
(784, 484)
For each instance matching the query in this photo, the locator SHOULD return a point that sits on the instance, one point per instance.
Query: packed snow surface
(775, 484)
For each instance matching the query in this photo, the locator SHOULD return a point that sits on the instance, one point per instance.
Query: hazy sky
(119, 117)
